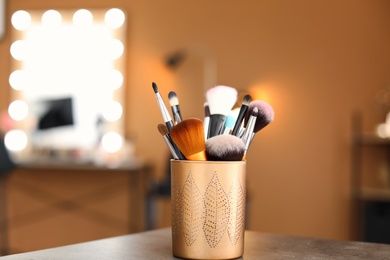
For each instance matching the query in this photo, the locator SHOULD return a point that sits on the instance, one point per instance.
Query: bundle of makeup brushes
(224, 134)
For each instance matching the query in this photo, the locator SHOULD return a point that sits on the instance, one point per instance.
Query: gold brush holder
(208, 209)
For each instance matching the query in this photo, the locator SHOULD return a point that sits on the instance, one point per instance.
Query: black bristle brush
(241, 114)
(164, 112)
(174, 102)
(225, 148)
(221, 100)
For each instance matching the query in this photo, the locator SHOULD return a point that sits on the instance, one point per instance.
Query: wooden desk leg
(3, 216)
(133, 194)
(136, 197)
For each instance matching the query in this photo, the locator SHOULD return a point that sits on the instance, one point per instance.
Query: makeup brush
(225, 148)
(165, 134)
(244, 107)
(206, 120)
(220, 99)
(167, 118)
(230, 121)
(188, 135)
(174, 102)
(265, 114)
(247, 136)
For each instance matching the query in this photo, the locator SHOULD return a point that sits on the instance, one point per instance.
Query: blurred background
(320, 169)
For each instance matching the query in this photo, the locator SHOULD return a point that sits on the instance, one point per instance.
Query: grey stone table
(156, 244)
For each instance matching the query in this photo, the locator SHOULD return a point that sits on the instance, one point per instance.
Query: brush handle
(170, 146)
(206, 123)
(217, 123)
(247, 137)
(239, 119)
(169, 125)
(226, 131)
(177, 150)
(176, 113)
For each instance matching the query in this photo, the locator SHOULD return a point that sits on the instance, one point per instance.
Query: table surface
(156, 245)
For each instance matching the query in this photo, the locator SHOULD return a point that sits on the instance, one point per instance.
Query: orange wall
(316, 60)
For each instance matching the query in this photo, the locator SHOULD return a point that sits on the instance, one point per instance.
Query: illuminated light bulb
(117, 49)
(21, 20)
(111, 79)
(113, 111)
(18, 110)
(15, 140)
(115, 79)
(51, 18)
(18, 50)
(114, 18)
(17, 80)
(257, 93)
(112, 142)
(82, 17)
(383, 130)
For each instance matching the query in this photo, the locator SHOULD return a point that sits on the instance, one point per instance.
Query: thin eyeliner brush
(166, 116)
(164, 132)
(174, 102)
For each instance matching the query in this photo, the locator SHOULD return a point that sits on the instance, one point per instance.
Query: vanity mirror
(67, 81)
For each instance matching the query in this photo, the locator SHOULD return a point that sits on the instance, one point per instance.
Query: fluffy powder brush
(188, 135)
(221, 100)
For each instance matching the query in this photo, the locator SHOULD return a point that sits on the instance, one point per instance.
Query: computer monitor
(57, 112)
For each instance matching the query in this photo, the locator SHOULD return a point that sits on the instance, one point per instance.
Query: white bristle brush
(225, 148)
(221, 100)
(174, 102)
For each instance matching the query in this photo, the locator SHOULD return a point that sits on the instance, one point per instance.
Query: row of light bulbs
(17, 140)
(114, 18)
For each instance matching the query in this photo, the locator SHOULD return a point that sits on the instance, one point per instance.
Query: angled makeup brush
(225, 148)
(206, 120)
(220, 99)
(230, 121)
(174, 102)
(165, 134)
(265, 114)
(188, 135)
(166, 116)
(244, 107)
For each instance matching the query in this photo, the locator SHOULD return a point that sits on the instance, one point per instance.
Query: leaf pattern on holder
(176, 208)
(237, 211)
(192, 210)
(216, 212)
